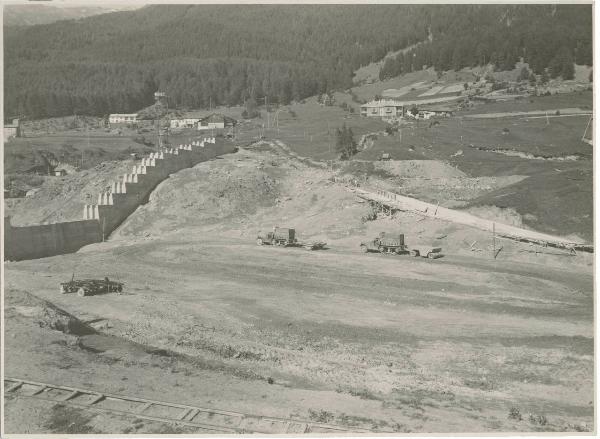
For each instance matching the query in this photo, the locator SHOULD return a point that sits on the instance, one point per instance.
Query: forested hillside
(546, 36)
(225, 54)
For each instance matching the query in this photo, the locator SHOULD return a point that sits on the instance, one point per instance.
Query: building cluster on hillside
(390, 109)
(212, 122)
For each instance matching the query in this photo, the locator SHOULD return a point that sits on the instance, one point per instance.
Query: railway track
(208, 420)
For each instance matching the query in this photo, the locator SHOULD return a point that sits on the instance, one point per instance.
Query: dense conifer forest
(225, 54)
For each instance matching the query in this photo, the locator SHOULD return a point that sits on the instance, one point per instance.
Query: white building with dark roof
(384, 108)
(123, 118)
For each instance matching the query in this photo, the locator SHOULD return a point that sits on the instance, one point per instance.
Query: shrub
(322, 416)
(515, 413)
(538, 419)
(371, 216)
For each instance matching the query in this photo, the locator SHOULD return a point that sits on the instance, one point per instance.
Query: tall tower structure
(160, 99)
(161, 106)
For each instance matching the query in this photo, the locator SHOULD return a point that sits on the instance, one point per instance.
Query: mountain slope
(29, 15)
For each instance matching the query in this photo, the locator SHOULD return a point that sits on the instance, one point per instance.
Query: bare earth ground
(388, 343)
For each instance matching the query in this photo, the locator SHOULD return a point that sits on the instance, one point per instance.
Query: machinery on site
(286, 237)
(394, 243)
(279, 236)
(90, 287)
(385, 243)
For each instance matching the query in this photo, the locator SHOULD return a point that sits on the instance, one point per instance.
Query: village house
(12, 130)
(185, 123)
(60, 172)
(384, 108)
(127, 119)
(388, 109)
(216, 121)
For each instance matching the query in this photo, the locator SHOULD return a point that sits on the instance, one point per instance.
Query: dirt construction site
(477, 340)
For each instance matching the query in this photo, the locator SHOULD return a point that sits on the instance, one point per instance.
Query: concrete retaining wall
(112, 207)
(34, 242)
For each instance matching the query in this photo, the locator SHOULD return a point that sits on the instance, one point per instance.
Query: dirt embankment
(240, 194)
(428, 180)
(245, 192)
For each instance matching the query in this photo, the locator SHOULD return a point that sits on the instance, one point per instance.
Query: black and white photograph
(298, 219)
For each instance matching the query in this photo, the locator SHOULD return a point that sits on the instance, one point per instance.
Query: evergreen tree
(345, 144)
(251, 111)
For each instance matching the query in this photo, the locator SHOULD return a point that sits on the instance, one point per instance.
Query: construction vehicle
(287, 238)
(90, 287)
(279, 236)
(388, 243)
(385, 243)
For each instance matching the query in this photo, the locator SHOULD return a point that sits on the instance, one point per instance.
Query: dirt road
(379, 342)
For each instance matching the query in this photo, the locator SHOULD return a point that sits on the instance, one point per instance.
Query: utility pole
(494, 239)
(328, 138)
(157, 135)
(267, 108)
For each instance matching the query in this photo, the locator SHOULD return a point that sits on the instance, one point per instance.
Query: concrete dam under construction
(112, 207)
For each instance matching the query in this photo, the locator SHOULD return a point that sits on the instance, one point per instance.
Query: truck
(287, 238)
(385, 243)
(279, 236)
(90, 287)
(394, 243)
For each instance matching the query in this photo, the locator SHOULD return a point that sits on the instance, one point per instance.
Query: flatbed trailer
(426, 252)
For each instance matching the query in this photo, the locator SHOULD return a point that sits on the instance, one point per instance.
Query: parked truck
(385, 243)
(279, 236)
(286, 237)
(394, 243)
